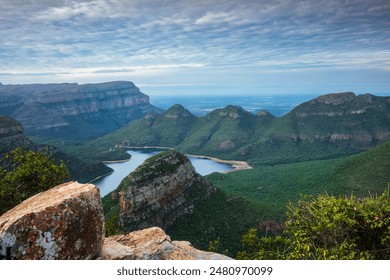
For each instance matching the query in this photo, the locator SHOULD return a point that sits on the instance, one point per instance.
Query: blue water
(122, 169)
(200, 106)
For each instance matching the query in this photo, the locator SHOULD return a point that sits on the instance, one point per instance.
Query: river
(110, 182)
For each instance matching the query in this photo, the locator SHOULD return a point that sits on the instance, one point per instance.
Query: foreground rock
(65, 222)
(152, 244)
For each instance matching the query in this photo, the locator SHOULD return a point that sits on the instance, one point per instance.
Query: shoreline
(101, 176)
(237, 165)
(146, 147)
(115, 161)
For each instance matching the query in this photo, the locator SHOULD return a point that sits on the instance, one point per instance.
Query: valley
(336, 144)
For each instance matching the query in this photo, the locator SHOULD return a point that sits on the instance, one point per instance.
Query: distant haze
(220, 47)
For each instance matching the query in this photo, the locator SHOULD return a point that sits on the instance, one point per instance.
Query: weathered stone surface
(65, 222)
(160, 191)
(152, 244)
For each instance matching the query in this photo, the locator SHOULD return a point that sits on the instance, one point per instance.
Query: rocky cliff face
(73, 111)
(66, 222)
(360, 121)
(11, 135)
(160, 191)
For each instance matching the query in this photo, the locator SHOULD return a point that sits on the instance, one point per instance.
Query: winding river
(110, 182)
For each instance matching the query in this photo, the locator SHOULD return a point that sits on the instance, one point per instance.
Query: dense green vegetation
(28, 173)
(328, 227)
(221, 218)
(247, 199)
(276, 186)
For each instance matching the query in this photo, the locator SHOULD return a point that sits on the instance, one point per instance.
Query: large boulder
(152, 244)
(65, 222)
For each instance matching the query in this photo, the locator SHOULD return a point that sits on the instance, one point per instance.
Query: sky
(202, 47)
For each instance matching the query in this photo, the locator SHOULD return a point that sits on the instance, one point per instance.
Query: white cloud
(214, 18)
(92, 10)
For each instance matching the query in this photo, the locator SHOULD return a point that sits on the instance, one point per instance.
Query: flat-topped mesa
(335, 98)
(342, 104)
(160, 191)
(73, 110)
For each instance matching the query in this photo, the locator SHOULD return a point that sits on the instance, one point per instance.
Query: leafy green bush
(328, 227)
(28, 173)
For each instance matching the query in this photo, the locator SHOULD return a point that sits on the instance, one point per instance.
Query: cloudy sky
(205, 47)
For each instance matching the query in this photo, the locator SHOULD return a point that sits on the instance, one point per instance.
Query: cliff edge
(73, 111)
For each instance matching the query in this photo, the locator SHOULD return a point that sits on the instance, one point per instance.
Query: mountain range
(329, 126)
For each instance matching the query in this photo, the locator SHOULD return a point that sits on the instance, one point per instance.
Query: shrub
(327, 227)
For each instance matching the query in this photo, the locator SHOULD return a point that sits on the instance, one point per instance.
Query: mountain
(12, 136)
(73, 111)
(169, 128)
(329, 126)
(160, 191)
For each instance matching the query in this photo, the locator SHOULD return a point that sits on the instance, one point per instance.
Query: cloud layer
(194, 42)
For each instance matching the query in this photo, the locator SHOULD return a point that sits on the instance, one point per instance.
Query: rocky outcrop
(72, 110)
(152, 244)
(11, 135)
(160, 191)
(65, 222)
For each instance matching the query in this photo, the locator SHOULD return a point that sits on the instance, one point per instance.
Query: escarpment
(73, 111)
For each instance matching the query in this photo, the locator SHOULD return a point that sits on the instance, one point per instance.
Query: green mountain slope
(276, 186)
(329, 126)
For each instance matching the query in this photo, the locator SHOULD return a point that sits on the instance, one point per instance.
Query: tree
(28, 173)
(327, 227)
